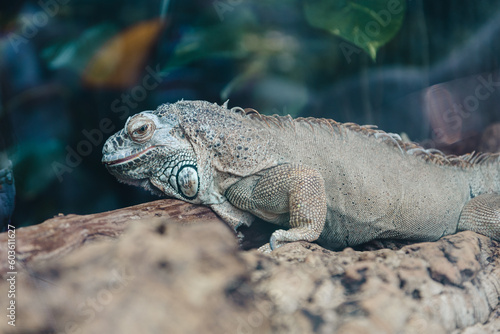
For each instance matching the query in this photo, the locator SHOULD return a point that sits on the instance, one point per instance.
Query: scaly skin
(338, 184)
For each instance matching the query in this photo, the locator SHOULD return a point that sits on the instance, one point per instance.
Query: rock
(156, 275)
(433, 287)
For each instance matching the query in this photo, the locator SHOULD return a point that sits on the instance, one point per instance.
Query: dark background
(62, 77)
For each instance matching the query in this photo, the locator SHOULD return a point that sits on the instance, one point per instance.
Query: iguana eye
(140, 128)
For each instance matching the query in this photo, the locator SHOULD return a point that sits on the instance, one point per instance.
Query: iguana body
(339, 184)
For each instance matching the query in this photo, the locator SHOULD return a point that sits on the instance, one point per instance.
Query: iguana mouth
(125, 159)
(119, 161)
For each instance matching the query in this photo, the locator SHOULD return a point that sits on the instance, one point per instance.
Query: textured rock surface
(164, 277)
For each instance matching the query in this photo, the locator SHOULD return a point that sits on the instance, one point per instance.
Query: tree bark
(62, 234)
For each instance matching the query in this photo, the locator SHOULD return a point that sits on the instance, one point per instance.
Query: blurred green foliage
(75, 54)
(369, 24)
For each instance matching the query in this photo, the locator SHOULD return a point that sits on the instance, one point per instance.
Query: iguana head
(152, 151)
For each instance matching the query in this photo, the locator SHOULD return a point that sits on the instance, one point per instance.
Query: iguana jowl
(339, 184)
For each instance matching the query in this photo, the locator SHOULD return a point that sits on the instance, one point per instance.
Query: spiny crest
(431, 155)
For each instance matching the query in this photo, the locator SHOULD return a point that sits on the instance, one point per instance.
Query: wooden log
(62, 234)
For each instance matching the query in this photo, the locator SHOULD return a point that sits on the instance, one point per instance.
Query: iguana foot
(281, 237)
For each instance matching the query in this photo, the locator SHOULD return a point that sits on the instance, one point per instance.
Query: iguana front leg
(482, 215)
(291, 195)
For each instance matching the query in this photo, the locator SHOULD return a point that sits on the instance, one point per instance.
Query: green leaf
(368, 24)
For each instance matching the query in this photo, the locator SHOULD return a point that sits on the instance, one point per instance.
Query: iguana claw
(273, 243)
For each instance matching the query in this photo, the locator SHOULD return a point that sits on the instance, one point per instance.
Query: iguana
(338, 184)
